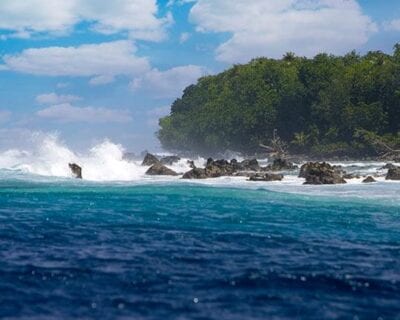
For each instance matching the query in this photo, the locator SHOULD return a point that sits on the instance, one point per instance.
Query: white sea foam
(105, 162)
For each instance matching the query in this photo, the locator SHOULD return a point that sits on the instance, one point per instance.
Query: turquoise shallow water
(179, 251)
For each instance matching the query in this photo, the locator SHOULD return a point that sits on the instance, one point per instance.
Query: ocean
(120, 245)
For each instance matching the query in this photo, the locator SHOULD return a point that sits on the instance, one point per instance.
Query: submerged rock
(159, 169)
(266, 177)
(170, 160)
(280, 164)
(369, 179)
(393, 174)
(76, 170)
(321, 173)
(150, 160)
(196, 173)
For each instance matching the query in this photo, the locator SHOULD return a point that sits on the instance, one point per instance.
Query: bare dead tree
(277, 148)
(384, 150)
(387, 152)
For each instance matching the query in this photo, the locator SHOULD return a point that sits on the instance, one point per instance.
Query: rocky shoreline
(314, 173)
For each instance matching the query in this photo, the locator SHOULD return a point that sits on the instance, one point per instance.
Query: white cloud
(393, 25)
(184, 37)
(68, 113)
(101, 80)
(53, 98)
(171, 3)
(62, 85)
(271, 28)
(91, 60)
(137, 17)
(169, 83)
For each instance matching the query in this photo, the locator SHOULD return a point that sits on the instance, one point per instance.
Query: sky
(89, 70)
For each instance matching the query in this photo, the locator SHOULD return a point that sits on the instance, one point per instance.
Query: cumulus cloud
(184, 37)
(68, 113)
(104, 60)
(101, 80)
(271, 28)
(169, 83)
(139, 18)
(53, 98)
(393, 25)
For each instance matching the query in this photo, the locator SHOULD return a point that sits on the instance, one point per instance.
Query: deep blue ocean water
(72, 250)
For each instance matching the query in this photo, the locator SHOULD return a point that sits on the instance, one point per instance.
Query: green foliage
(316, 104)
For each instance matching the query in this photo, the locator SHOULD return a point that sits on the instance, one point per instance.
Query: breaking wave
(50, 157)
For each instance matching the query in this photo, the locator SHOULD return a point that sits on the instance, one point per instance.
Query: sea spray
(104, 162)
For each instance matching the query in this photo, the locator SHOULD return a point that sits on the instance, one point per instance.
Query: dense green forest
(328, 105)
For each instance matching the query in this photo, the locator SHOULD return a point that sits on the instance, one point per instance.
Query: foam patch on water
(105, 162)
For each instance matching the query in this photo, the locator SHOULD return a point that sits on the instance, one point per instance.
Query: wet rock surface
(393, 174)
(266, 177)
(321, 173)
(196, 173)
(369, 179)
(150, 160)
(281, 164)
(159, 169)
(76, 170)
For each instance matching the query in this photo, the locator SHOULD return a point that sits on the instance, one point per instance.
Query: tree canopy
(317, 105)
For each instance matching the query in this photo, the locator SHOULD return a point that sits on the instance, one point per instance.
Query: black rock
(389, 166)
(150, 160)
(266, 177)
(351, 176)
(281, 164)
(76, 170)
(250, 165)
(369, 179)
(195, 173)
(219, 168)
(321, 173)
(191, 164)
(393, 174)
(159, 169)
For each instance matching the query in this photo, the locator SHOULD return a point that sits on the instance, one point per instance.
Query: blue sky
(95, 69)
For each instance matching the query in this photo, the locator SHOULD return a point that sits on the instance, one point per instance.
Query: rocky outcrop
(213, 169)
(159, 169)
(321, 173)
(350, 176)
(170, 160)
(389, 166)
(266, 177)
(150, 160)
(369, 179)
(76, 170)
(281, 164)
(219, 168)
(393, 174)
(191, 164)
(196, 173)
(249, 165)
